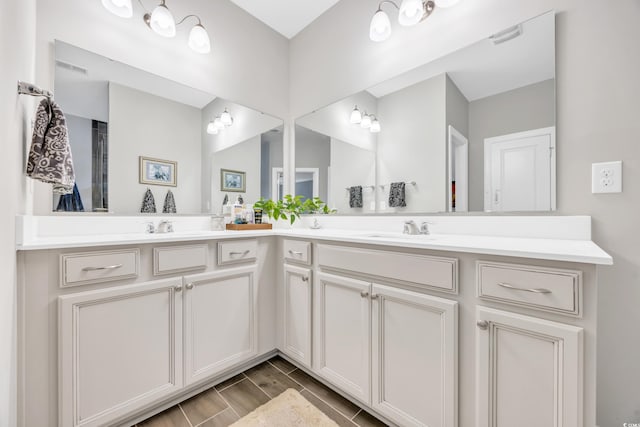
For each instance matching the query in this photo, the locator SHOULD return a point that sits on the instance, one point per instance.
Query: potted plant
(291, 207)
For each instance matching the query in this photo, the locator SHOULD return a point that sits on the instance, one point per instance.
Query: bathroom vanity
(439, 330)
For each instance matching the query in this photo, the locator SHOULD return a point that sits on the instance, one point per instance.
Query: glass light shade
(199, 39)
(162, 21)
(411, 12)
(380, 28)
(375, 126)
(217, 122)
(226, 118)
(212, 129)
(366, 122)
(446, 3)
(121, 8)
(356, 116)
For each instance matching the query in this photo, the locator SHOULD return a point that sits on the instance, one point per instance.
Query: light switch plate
(606, 177)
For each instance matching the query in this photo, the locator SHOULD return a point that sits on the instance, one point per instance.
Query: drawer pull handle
(364, 294)
(534, 290)
(305, 278)
(108, 267)
(295, 253)
(242, 254)
(189, 286)
(177, 288)
(483, 324)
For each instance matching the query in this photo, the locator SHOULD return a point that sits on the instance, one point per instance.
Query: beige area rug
(288, 409)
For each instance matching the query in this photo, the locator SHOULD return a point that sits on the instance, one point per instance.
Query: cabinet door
(220, 326)
(297, 314)
(414, 357)
(343, 335)
(120, 348)
(529, 371)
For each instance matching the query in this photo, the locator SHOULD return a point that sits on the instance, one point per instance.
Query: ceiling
(288, 17)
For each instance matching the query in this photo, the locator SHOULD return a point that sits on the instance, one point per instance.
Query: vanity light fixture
(162, 22)
(356, 116)
(366, 121)
(226, 118)
(220, 122)
(375, 125)
(410, 12)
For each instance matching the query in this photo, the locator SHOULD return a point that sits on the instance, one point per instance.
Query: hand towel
(355, 196)
(50, 157)
(148, 202)
(169, 203)
(70, 202)
(397, 197)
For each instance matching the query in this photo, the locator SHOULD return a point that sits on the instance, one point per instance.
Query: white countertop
(571, 250)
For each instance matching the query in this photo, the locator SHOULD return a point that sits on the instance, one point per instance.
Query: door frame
(459, 144)
(550, 131)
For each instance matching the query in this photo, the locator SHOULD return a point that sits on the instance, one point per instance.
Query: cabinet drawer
(548, 289)
(95, 267)
(174, 259)
(297, 250)
(421, 271)
(237, 251)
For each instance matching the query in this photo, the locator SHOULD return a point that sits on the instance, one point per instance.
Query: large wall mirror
(131, 131)
(472, 131)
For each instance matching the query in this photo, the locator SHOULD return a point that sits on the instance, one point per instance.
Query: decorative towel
(355, 196)
(148, 202)
(50, 158)
(70, 202)
(397, 195)
(169, 203)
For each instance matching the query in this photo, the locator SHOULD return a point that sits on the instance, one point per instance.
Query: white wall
(350, 166)
(597, 92)
(84, 99)
(313, 151)
(411, 146)
(17, 41)
(146, 125)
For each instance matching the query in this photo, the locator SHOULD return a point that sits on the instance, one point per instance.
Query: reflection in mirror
(472, 131)
(131, 131)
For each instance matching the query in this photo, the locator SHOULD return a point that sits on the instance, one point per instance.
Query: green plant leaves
(291, 207)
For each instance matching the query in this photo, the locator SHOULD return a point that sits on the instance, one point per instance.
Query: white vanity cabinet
(297, 314)
(120, 348)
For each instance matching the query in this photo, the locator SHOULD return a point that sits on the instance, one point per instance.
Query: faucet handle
(424, 227)
(150, 227)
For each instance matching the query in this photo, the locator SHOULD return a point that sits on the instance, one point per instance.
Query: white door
(343, 315)
(458, 153)
(519, 171)
(120, 349)
(220, 326)
(414, 357)
(529, 371)
(297, 314)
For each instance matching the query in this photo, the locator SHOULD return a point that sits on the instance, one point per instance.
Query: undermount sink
(390, 235)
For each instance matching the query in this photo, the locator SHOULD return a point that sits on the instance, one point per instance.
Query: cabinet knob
(305, 278)
(374, 296)
(364, 294)
(483, 324)
(189, 286)
(178, 288)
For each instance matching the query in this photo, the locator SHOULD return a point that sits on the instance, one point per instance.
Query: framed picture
(158, 172)
(233, 181)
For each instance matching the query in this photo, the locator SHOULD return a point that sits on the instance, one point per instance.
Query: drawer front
(238, 251)
(542, 288)
(297, 251)
(421, 271)
(95, 267)
(175, 259)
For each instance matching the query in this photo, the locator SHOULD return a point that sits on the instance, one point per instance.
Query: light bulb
(446, 3)
(226, 118)
(212, 129)
(121, 8)
(162, 21)
(411, 12)
(217, 122)
(199, 39)
(380, 28)
(366, 122)
(375, 126)
(356, 116)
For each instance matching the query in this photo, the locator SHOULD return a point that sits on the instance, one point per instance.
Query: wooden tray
(249, 226)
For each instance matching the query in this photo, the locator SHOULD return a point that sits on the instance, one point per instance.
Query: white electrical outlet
(606, 177)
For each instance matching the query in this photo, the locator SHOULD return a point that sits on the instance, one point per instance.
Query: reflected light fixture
(226, 118)
(410, 12)
(220, 122)
(375, 125)
(356, 116)
(366, 121)
(211, 128)
(162, 22)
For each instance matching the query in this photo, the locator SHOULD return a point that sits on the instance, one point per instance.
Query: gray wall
(457, 108)
(518, 110)
(81, 142)
(597, 87)
(243, 157)
(313, 150)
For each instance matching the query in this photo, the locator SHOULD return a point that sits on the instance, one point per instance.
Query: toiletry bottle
(248, 213)
(237, 211)
(227, 212)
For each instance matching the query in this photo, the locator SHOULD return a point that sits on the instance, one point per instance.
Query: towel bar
(33, 90)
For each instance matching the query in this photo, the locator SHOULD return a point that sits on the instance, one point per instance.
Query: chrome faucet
(410, 227)
(424, 227)
(165, 226)
(150, 228)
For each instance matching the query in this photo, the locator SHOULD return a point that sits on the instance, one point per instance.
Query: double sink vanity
(446, 329)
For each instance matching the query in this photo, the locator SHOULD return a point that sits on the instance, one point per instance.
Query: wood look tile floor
(234, 398)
